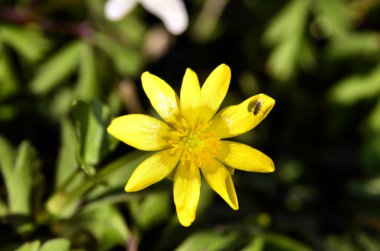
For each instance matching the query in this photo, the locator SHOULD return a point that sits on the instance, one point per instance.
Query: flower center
(194, 144)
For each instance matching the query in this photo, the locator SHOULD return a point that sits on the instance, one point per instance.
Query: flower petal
(141, 131)
(190, 95)
(219, 179)
(243, 157)
(171, 12)
(116, 9)
(186, 191)
(238, 119)
(152, 170)
(214, 90)
(162, 96)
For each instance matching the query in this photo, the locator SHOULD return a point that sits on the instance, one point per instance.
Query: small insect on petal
(255, 105)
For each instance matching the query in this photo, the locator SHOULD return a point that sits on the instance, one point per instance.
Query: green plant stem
(99, 177)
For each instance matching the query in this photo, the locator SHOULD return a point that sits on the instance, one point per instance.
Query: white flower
(171, 12)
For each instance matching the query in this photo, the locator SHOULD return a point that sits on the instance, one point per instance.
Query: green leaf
(286, 34)
(284, 243)
(335, 15)
(152, 209)
(30, 246)
(374, 118)
(20, 171)
(67, 163)
(8, 81)
(121, 170)
(106, 223)
(356, 87)
(288, 23)
(57, 68)
(354, 45)
(257, 244)
(127, 61)
(56, 245)
(210, 241)
(91, 120)
(27, 41)
(88, 84)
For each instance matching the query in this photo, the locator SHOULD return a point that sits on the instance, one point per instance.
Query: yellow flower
(190, 139)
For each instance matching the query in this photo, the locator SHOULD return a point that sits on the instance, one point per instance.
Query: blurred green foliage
(66, 71)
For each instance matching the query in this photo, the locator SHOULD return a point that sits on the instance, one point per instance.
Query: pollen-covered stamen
(194, 144)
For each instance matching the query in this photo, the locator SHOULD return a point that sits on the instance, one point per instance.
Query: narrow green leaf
(354, 45)
(284, 243)
(106, 223)
(30, 246)
(67, 163)
(356, 87)
(286, 34)
(210, 241)
(336, 16)
(257, 244)
(57, 68)
(8, 81)
(121, 170)
(19, 171)
(88, 84)
(374, 118)
(91, 120)
(27, 41)
(288, 23)
(127, 61)
(56, 245)
(7, 158)
(151, 210)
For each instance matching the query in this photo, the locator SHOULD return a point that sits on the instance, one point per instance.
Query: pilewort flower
(191, 140)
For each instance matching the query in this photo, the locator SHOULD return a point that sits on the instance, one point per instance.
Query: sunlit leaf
(122, 169)
(210, 241)
(30, 246)
(67, 163)
(29, 42)
(284, 243)
(19, 171)
(91, 120)
(88, 84)
(257, 244)
(363, 44)
(106, 223)
(57, 68)
(126, 60)
(356, 87)
(56, 245)
(336, 16)
(286, 34)
(152, 209)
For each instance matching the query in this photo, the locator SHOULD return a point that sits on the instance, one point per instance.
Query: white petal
(117, 9)
(171, 12)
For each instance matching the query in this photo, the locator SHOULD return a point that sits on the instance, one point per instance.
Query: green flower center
(194, 143)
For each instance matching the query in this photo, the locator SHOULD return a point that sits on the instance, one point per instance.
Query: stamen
(193, 143)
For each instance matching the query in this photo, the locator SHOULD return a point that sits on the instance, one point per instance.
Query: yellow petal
(214, 90)
(219, 179)
(190, 95)
(243, 157)
(186, 191)
(238, 119)
(162, 97)
(152, 170)
(141, 131)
